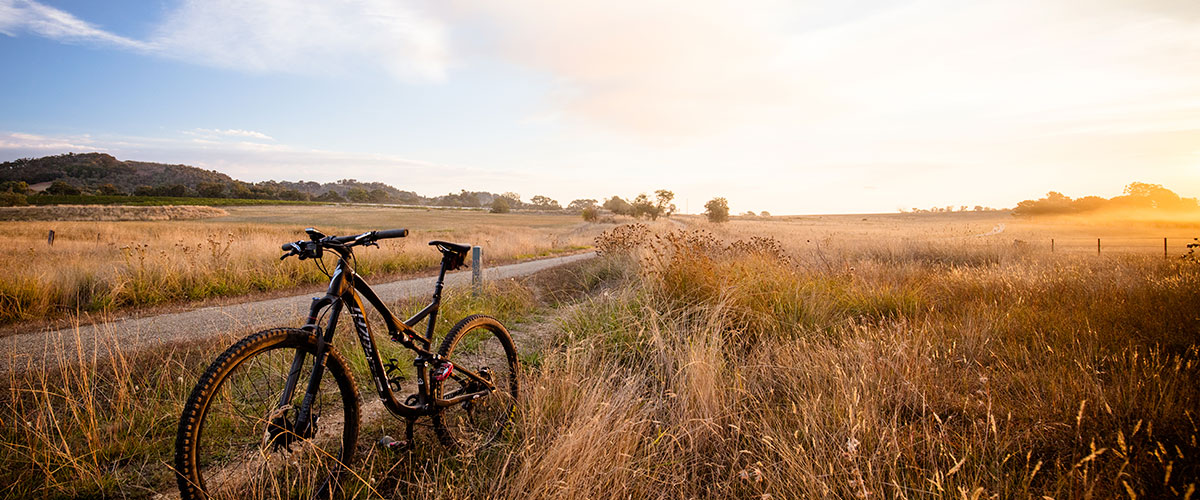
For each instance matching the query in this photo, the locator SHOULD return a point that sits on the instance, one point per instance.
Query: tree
(581, 204)
(1142, 189)
(642, 207)
(764, 213)
(591, 213)
(1159, 197)
(293, 194)
(663, 205)
(358, 195)
(173, 190)
(18, 187)
(241, 191)
(12, 199)
(109, 189)
(62, 188)
(210, 189)
(544, 203)
(379, 196)
(717, 210)
(330, 196)
(500, 205)
(618, 206)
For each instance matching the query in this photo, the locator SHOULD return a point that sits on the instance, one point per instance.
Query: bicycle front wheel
(481, 344)
(236, 439)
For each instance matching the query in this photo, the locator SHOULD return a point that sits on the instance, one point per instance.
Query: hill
(102, 174)
(93, 170)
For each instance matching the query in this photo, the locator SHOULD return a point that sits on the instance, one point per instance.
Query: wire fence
(1167, 247)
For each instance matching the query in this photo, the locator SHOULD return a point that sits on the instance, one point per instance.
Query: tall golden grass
(108, 213)
(749, 371)
(688, 365)
(105, 266)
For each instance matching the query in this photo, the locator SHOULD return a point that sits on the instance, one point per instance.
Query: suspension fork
(324, 338)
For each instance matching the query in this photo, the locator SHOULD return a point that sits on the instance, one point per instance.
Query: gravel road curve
(33, 350)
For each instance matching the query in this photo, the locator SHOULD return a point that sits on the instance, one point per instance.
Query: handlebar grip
(287, 246)
(391, 233)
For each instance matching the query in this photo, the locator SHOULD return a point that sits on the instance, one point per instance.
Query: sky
(792, 107)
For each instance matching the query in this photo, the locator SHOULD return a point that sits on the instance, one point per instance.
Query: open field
(107, 266)
(108, 213)
(782, 358)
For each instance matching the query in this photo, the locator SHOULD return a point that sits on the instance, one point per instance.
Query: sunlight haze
(787, 107)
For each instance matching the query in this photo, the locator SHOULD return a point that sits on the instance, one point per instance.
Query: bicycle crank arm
(462, 398)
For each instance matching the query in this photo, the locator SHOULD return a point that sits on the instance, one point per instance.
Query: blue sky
(809, 107)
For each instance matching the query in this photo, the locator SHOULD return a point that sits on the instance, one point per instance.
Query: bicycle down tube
(345, 289)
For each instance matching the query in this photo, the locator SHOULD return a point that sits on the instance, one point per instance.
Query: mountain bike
(279, 410)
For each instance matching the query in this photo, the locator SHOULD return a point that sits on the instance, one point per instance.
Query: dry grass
(108, 213)
(102, 423)
(716, 373)
(102, 267)
(693, 366)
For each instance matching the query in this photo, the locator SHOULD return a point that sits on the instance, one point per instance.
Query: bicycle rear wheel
(481, 344)
(236, 441)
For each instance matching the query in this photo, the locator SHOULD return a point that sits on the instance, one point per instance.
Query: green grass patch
(139, 201)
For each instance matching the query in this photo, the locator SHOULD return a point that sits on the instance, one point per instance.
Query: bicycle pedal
(391, 444)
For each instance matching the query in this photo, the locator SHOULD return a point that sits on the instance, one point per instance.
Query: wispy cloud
(266, 35)
(27, 16)
(653, 68)
(216, 132)
(316, 37)
(927, 68)
(31, 142)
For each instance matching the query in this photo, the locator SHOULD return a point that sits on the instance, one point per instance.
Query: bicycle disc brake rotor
(281, 431)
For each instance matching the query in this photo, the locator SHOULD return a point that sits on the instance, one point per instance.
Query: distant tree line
(951, 208)
(1138, 196)
(99, 174)
(89, 174)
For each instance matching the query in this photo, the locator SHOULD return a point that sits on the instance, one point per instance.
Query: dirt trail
(34, 349)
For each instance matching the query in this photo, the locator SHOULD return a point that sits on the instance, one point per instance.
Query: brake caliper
(281, 432)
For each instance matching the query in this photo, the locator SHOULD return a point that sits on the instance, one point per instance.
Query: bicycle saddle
(447, 247)
(456, 252)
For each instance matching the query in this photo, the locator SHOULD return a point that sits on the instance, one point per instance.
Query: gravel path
(32, 350)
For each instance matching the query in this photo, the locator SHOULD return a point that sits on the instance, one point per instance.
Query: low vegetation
(104, 267)
(108, 213)
(1140, 201)
(687, 364)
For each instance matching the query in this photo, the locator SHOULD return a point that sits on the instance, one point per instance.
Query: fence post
(1165, 248)
(476, 269)
(1097, 246)
(1051, 245)
(50, 238)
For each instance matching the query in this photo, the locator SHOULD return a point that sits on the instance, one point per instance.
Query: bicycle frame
(345, 288)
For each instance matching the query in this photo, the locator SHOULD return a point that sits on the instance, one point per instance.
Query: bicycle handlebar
(312, 248)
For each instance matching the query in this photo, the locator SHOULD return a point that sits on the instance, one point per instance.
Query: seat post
(437, 300)
(437, 289)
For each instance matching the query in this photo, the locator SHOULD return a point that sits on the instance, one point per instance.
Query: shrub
(591, 214)
(11, 199)
(717, 210)
(500, 205)
(60, 187)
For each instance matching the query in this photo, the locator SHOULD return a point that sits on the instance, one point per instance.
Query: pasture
(102, 267)
(901, 356)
